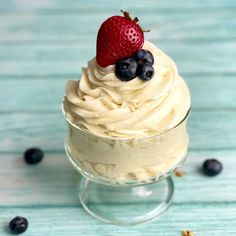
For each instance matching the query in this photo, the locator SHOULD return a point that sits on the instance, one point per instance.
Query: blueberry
(144, 56)
(126, 69)
(18, 225)
(145, 71)
(33, 155)
(212, 167)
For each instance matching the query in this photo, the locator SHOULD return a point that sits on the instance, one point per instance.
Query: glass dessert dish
(139, 195)
(126, 120)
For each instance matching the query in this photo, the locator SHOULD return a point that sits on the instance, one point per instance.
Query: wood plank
(203, 219)
(48, 41)
(122, 4)
(32, 94)
(212, 130)
(206, 91)
(21, 130)
(63, 59)
(53, 182)
(165, 25)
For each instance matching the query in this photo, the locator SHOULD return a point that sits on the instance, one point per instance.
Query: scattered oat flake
(187, 233)
(179, 173)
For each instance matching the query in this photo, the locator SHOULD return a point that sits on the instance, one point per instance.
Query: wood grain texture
(45, 43)
(62, 59)
(205, 24)
(109, 5)
(53, 182)
(206, 219)
(208, 131)
(206, 92)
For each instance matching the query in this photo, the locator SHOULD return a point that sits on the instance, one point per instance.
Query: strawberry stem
(135, 20)
(126, 14)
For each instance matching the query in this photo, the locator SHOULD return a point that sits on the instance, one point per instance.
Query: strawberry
(118, 37)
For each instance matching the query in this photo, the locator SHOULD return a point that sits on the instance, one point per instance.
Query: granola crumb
(187, 233)
(179, 173)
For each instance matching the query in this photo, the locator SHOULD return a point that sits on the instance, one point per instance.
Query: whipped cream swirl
(102, 104)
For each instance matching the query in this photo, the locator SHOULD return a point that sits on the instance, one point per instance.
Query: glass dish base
(126, 205)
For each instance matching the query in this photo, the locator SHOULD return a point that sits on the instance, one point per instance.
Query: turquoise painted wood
(74, 221)
(56, 171)
(22, 129)
(200, 85)
(68, 26)
(67, 220)
(68, 58)
(107, 5)
(44, 43)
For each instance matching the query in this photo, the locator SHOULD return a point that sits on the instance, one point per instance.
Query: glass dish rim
(123, 139)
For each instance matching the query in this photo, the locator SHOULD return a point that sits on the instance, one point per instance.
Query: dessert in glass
(126, 121)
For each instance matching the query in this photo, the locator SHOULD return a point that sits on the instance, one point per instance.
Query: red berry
(118, 37)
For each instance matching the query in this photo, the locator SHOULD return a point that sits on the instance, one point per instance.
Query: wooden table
(44, 43)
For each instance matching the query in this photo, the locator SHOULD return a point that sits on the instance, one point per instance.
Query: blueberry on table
(18, 225)
(145, 71)
(212, 167)
(33, 155)
(126, 69)
(144, 56)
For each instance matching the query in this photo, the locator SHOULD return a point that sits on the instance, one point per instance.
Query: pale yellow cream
(102, 111)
